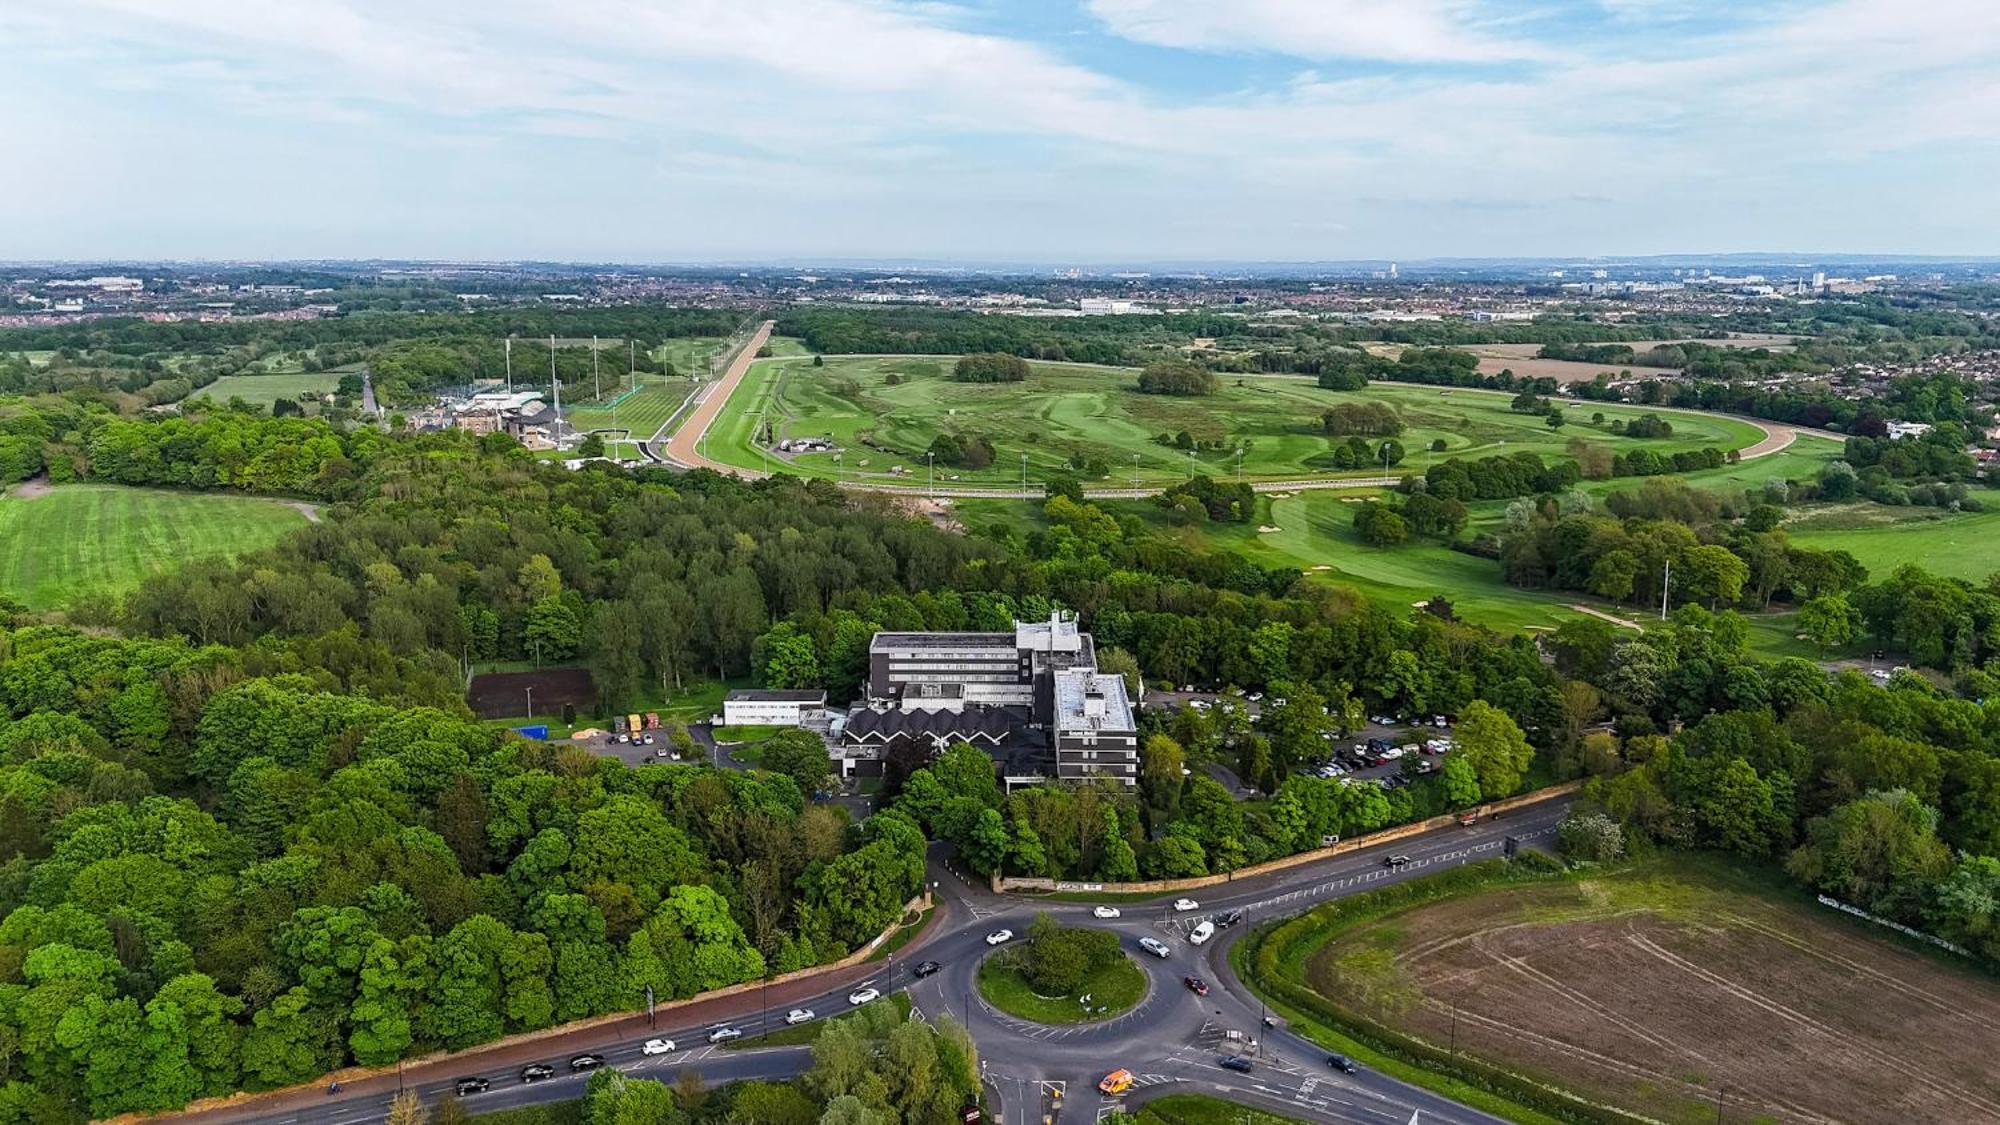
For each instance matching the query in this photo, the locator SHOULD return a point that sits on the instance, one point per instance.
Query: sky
(1048, 131)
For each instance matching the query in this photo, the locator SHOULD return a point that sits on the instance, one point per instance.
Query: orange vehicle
(1115, 1083)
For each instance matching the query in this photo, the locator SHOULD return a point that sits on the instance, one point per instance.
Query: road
(1172, 1039)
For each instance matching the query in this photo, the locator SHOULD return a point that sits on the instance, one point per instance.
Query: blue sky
(1032, 130)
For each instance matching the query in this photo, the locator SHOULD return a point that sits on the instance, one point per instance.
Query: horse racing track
(1677, 995)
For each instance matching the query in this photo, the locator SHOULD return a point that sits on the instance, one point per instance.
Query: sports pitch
(56, 543)
(1067, 409)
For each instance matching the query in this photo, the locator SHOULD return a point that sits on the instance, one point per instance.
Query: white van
(1201, 933)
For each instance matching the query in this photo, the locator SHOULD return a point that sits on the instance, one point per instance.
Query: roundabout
(1062, 976)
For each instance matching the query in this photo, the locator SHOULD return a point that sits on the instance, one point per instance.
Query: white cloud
(1391, 30)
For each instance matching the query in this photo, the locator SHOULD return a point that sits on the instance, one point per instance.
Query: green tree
(1494, 746)
(553, 631)
(1458, 780)
(1829, 621)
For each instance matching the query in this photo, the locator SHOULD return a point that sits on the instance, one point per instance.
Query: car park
(1155, 946)
(1196, 985)
(586, 1062)
(724, 1034)
(1104, 911)
(1186, 904)
(1201, 933)
(798, 1015)
(657, 1047)
(536, 1072)
(925, 968)
(1236, 1063)
(466, 1087)
(1341, 1063)
(999, 937)
(862, 996)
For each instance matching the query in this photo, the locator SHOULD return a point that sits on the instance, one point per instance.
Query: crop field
(62, 541)
(1676, 991)
(1066, 409)
(1956, 544)
(263, 390)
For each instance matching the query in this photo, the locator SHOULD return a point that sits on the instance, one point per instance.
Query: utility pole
(507, 346)
(1024, 478)
(1135, 472)
(596, 377)
(1239, 464)
(1666, 580)
(931, 459)
(555, 384)
(531, 703)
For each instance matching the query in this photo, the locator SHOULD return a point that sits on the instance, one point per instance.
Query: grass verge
(807, 1033)
(1200, 1109)
(903, 936)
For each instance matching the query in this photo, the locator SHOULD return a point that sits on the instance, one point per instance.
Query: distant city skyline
(1079, 131)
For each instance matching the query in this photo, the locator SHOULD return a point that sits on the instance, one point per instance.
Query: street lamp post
(1024, 478)
(1135, 472)
(930, 459)
(531, 702)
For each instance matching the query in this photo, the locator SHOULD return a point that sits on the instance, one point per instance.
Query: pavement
(1172, 1039)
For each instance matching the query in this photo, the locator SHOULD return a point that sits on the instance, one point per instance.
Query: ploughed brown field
(502, 695)
(1655, 988)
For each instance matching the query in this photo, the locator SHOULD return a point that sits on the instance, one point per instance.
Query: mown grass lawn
(1112, 991)
(1956, 544)
(90, 538)
(263, 390)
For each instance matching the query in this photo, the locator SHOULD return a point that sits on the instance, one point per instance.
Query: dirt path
(1621, 622)
(305, 508)
(684, 447)
(32, 489)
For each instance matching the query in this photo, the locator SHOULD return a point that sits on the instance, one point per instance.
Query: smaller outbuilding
(760, 707)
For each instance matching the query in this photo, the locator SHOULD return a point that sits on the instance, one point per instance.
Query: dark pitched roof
(990, 724)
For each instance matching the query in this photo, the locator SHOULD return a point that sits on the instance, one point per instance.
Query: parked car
(466, 1087)
(1201, 933)
(1196, 985)
(999, 937)
(1236, 1063)
(1439, 721)
(658, 1047)
(536, 1072)
(925, 968)
(1186, 904)
(798, 1015)
(724, 1034)
(1341, 1063)
(1155, 946)
(862, 996)
(1104, 911)
(586, 1062)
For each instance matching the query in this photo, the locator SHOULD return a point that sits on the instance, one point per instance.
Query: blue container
(539, 732)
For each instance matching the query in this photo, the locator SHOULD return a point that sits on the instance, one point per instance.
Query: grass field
(83, 538)
(1064, 409)
(1661, 987)
(263, 390)
(642, 412)
(1112, 991)
(1957, 544)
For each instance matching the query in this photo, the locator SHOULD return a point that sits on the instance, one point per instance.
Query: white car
(859, 997)
(999, 937)
(1186, 904)
(658, 1047)
(798, 1015)
(1104, 911)
(1201, 933)
(1155, 946)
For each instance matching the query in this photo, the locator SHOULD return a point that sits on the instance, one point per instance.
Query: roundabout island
(1062, 975)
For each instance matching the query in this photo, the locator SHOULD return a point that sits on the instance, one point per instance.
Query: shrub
(1373, 418)
(1176, 377)
(990, 367)
(1593, 837)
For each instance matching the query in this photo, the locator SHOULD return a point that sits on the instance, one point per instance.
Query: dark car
(586, 1062)
(1395, 860)
(1196, 985)
(926, 968)
(468, 1086)
(1234, 1062)
(535, 1072)
(1229, 917)
(1341, 1063)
